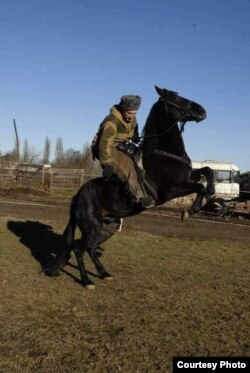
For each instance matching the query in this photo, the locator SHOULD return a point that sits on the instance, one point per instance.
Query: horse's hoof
(108, 278)
(90, 287)
(184, 215)
(51, 273)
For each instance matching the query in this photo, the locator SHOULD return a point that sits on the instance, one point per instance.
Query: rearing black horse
(99, 204)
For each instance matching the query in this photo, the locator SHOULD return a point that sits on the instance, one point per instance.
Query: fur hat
(130, 103)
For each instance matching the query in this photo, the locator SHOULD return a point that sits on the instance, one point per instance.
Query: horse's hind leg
(79, 254)
(110, 226)
(53, 269)
(99, 266)
(90, 241)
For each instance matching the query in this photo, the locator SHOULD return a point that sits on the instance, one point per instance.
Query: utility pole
(17, 149)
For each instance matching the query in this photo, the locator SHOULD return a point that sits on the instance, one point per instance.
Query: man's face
(128, 116)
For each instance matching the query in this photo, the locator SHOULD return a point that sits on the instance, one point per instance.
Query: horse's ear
(159, 91)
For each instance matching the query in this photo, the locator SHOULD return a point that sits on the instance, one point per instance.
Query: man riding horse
(119, 126)
(99, 204)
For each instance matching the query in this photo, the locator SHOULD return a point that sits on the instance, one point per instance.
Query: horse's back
(98, 192)
(88, 190)
(106, 197)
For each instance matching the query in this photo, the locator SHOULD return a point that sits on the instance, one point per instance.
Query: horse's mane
(149, 128)
(169, 94)
(149, 133)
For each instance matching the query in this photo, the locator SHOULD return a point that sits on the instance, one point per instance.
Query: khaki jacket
(112, 133)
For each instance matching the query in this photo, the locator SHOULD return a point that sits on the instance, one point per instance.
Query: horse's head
(161, 130)
(180, 108)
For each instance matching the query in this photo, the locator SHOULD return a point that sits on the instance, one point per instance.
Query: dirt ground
(179, 289)
(160, 221)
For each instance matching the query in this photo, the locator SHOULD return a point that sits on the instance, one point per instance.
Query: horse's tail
(54, 268)
(69, 231)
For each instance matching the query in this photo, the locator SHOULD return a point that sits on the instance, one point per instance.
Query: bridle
(182, 110)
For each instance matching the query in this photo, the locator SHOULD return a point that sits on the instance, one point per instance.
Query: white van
(227, 176)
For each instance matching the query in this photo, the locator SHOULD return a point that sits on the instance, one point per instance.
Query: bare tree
(59, 153)
(46, 151)
(25, 157)
(91, 167)
(78, 159)
(30, 155)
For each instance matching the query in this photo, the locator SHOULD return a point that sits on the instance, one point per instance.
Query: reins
(173, 156)
(162, 134)
(182, 124)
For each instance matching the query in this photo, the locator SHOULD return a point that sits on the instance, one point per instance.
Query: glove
(122, 146)
(129, 148)
(136, 140)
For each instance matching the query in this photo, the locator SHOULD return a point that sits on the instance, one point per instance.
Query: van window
(223, 176)
(227, 176)
(236, 176)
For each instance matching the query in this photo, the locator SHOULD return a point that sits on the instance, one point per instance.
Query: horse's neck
(172, 142)
(169, 146)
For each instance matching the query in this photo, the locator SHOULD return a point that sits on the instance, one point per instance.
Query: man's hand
(129, 148)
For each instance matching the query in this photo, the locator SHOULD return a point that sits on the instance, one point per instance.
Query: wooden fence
(42, 176)
(62, 179)
(52, 179)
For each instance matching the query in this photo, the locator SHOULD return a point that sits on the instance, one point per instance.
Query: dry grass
(170, 297)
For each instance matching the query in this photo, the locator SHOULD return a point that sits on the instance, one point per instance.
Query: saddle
(133, 150)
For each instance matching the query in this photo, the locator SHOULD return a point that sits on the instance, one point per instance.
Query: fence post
(50, 179)
(43, 176)
(17, 149)
(82, 179)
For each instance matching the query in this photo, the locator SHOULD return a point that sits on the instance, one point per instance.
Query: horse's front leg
(197, 204)
(190, 188)
(208, 173)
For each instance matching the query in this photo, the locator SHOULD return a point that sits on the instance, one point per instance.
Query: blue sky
(64, 63)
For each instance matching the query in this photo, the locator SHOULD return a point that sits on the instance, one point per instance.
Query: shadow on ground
(39, 238)
(43, 243)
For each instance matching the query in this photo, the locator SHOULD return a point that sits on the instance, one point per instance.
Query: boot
(147, 202)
